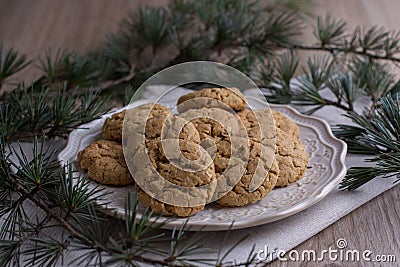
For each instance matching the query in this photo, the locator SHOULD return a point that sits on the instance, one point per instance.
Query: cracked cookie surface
(261, 164)
(285, 124)
(209, 125)
(168, 210)
(230, 97)
(160, 168)
(112, 127)
(105, 163)
(291, 156)
(213, 124)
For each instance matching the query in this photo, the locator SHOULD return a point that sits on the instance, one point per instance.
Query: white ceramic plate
(325, 170)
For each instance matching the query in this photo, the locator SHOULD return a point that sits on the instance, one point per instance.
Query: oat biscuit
(167, 210)
(105, 163)
(291, 156)
(259, 160)
(261, 164)
(112, 128)
(231, 97)
(212, 124)
(164, 165)
(285, 124)
(189, 148)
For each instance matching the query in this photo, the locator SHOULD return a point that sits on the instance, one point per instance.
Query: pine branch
(31, 112)
(73, 209)
(379, 135)
(107, 84)
(339, 49)
(76, 196)
(388, 166)
(32, 193)
(11, 63)
(45, 252)
(9, 255)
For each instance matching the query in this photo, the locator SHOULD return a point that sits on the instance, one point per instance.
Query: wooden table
(33, 26)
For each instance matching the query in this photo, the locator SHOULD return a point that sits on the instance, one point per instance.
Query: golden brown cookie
(291, 156)
(231, 97)
(176, 168)
(213, 124)
(105, 163)
(189, 147)
(261, 161)
(285, 124)
(167, 210)
(112, 128)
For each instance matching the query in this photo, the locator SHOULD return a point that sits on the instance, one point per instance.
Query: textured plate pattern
(325, 170)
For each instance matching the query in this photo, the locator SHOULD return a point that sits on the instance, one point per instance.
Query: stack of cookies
(277, 163)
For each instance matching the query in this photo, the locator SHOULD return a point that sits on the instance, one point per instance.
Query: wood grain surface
(33, 26)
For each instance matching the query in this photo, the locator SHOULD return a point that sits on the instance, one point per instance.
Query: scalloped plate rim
(245, 223)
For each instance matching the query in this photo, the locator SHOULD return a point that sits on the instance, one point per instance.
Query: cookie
(291, 156)
(285, 124)
(261, 164)
(105, 163)
(189, 151)
(217, 127)
(167, 210)
(213, 124)
(112, 128)
(162, 166)
(231, 97)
